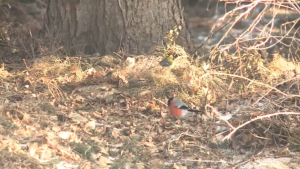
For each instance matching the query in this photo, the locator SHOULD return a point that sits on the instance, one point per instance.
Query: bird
(167, 61)
(179, 109)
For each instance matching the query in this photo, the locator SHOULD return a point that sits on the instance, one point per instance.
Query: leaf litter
(110, 111)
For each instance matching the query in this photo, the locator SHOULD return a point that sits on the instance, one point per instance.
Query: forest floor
(88, 111)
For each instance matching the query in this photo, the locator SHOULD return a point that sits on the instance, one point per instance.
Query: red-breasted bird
(179, 109)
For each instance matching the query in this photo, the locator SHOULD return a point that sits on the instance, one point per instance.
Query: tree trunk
(106, 26)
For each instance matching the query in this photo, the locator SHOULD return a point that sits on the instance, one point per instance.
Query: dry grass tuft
(55, 67)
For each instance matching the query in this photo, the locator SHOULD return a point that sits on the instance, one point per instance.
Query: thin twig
(258, 118)
(253, 81)
(216, 113)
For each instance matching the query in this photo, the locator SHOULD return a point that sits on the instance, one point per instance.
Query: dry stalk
(216, 113)
(256, 82)
(264, 34)
(249, 7)
(288, 80)
(263, 1)
(55, 90)
(258, 118)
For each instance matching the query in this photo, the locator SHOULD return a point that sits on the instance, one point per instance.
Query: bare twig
(253, 81)
(258, 118)
(216, 113)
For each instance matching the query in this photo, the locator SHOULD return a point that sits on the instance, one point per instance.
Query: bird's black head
(169, 100)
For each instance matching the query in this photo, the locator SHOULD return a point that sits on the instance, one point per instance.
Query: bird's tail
(195, 111)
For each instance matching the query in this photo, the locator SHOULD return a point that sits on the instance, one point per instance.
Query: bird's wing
(183, 107)
(193, 110)
(180, 105)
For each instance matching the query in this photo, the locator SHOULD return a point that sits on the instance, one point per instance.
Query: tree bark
(106, 26)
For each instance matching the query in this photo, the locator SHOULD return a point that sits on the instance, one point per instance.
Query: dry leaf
(145, 92)
(65, 135)
(127, 123)
(156, 163)
(86, 166)
(97, 74)
(56, 128)
(163, 121)
(130, 61)
(26, 118)
(73, 69)
(97, 115)
(91, 72)
(104, 150)
(231, 107)
(32, 148)
(152, 105)
(46, 80)
(247, 138)
(115, 133)
(234, 145)
(192, 90)
(164, 114)
(177, 166)
(148, 144)
(104, 161)
(185, 143)
(189, 80)
(77, 117)
(46, 152)
(90, 125)
(219, 138)
(160, 138)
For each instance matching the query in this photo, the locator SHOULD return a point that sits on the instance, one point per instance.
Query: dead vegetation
(110, 111)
